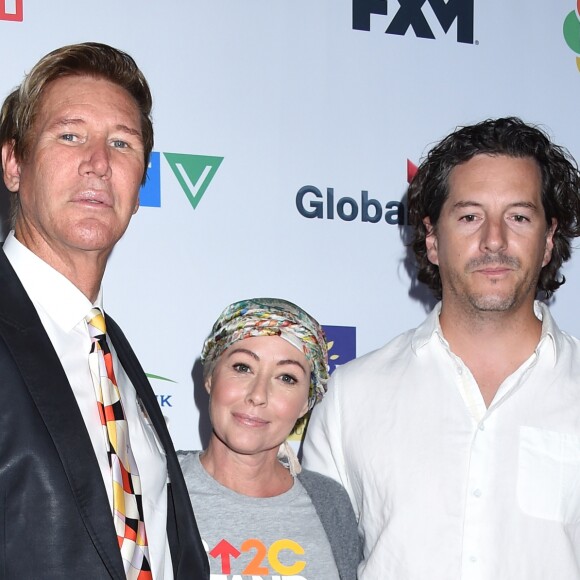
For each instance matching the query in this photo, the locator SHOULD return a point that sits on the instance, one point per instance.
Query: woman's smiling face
(258, 390)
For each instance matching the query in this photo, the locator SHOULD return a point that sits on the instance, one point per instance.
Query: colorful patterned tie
(127, 501)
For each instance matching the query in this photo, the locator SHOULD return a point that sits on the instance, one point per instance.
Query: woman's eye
(242, 368)
(288, 379)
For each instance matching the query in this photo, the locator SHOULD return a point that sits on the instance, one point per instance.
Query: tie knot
(96, 320)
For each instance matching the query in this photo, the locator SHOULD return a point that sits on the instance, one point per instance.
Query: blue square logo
(341, 342)
(150, 194)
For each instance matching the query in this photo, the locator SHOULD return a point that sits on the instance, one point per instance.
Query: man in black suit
(76, 138)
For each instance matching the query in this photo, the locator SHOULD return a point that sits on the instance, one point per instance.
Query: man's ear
(549, 242)
(10, 167)
(207, 384)
(431, 241)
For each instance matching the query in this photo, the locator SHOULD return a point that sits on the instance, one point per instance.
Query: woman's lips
(250, 420)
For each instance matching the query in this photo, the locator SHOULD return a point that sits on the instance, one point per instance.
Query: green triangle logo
(194, 173)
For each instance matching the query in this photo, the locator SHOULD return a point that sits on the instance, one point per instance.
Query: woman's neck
(258, 475)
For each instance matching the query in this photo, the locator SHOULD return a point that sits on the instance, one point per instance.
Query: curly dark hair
(506, 136)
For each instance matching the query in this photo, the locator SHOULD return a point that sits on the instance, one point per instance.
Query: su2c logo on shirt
(225, 552)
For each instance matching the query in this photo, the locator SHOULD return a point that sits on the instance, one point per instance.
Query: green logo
(159, 378)
(194, 173)
(571, 32)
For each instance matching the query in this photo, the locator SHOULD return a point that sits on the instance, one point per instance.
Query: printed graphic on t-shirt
(283, 559)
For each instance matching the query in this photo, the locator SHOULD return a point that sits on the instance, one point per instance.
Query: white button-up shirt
(62, 308)
(445, 488)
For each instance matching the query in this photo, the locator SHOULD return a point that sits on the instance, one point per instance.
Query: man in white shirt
(75, 502)
(459, 442)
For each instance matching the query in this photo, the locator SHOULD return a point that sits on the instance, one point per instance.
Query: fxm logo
(410, 15)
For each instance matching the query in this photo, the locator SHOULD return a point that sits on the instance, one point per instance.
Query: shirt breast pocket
(549, 475)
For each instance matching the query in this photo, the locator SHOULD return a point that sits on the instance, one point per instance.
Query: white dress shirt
(62, 308)
(445, 488)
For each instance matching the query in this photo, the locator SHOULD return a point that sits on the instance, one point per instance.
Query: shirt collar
(47, 288)
(550, 332)
(424, 333)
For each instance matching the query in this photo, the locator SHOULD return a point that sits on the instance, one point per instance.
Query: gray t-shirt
(249, 538)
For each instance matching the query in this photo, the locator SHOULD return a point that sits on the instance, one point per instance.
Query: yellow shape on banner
(297, 434)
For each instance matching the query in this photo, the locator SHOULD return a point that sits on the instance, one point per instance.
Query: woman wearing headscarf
(259, 514)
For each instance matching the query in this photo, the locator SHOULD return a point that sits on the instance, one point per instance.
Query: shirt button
(482, 426)
(472, 559)
(477, 493)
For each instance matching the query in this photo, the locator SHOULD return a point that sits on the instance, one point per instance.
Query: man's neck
(85, 269)
(491, 344)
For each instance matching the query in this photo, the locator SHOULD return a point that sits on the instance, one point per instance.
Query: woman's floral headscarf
(271, 317)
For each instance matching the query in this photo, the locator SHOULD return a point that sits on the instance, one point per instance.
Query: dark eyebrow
(467, 203)
(525, 204)
(244, 350)
(293, 362)
(463, 204)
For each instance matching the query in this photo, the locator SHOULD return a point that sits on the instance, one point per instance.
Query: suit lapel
(49, 388)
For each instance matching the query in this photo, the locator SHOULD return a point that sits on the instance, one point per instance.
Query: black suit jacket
(55, 520)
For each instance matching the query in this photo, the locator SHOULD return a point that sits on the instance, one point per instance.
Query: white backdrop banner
(285, 136)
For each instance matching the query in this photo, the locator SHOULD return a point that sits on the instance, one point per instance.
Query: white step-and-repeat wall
(285, 132)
